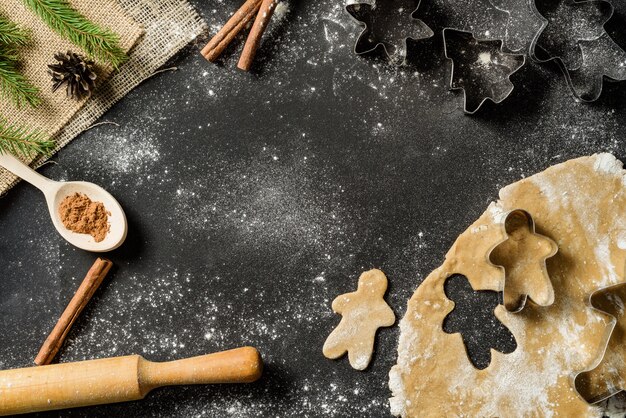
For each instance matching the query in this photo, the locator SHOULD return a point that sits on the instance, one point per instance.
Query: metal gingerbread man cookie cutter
(521, 257)
(592, 55)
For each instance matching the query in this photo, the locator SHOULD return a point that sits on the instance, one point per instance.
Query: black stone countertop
(255, 199)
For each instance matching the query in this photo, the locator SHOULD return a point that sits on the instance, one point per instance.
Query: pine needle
(18, 140)
(99, 43)
(11, 34)
(14, 85)
(8, 53)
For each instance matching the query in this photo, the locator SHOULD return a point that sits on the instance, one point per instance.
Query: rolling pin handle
(240, 365)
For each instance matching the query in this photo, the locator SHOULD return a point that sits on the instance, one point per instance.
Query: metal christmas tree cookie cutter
(481, 77)
(383, 29)
(533, 281)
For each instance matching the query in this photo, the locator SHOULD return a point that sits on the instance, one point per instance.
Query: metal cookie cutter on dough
(598, 391)
(545, 296)
(379, 22)
(600, 65)
(482, 77)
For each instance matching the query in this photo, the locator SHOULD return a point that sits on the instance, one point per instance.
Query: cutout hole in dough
(473, 317)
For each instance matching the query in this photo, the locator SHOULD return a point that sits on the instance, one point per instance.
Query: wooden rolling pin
(118, 379)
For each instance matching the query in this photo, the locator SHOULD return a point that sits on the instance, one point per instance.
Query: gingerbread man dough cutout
(363, 311)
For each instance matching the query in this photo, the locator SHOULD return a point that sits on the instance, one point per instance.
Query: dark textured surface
(255, 199)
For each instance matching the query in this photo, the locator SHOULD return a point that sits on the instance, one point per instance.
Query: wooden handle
(20, 169)
(241, 365)
(117, 379)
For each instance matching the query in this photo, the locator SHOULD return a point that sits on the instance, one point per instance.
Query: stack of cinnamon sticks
(263, 10)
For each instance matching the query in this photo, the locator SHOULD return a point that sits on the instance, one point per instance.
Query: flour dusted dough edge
(522, 383)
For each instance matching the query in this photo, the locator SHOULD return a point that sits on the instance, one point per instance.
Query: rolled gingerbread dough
(580, 204)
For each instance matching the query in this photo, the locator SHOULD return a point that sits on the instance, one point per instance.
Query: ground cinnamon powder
(80, 214)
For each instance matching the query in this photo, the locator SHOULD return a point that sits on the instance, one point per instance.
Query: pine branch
(8, 53)
(14, 85)
(97, 42)
(18, 140)
(11, 34)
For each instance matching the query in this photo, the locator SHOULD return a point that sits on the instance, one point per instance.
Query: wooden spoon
(56, 191)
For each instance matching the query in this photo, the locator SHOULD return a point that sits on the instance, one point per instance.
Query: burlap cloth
(167, 26)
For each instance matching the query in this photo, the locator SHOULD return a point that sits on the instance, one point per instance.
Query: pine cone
(75, 70)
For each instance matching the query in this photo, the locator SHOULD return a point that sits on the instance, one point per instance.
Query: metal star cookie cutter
(533, 278)
(383, 27)
(610, 382)
(580, 46)
(482, 76)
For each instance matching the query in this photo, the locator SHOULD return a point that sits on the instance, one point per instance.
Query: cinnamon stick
(86, 290)
(235, 24)
(254, 38)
